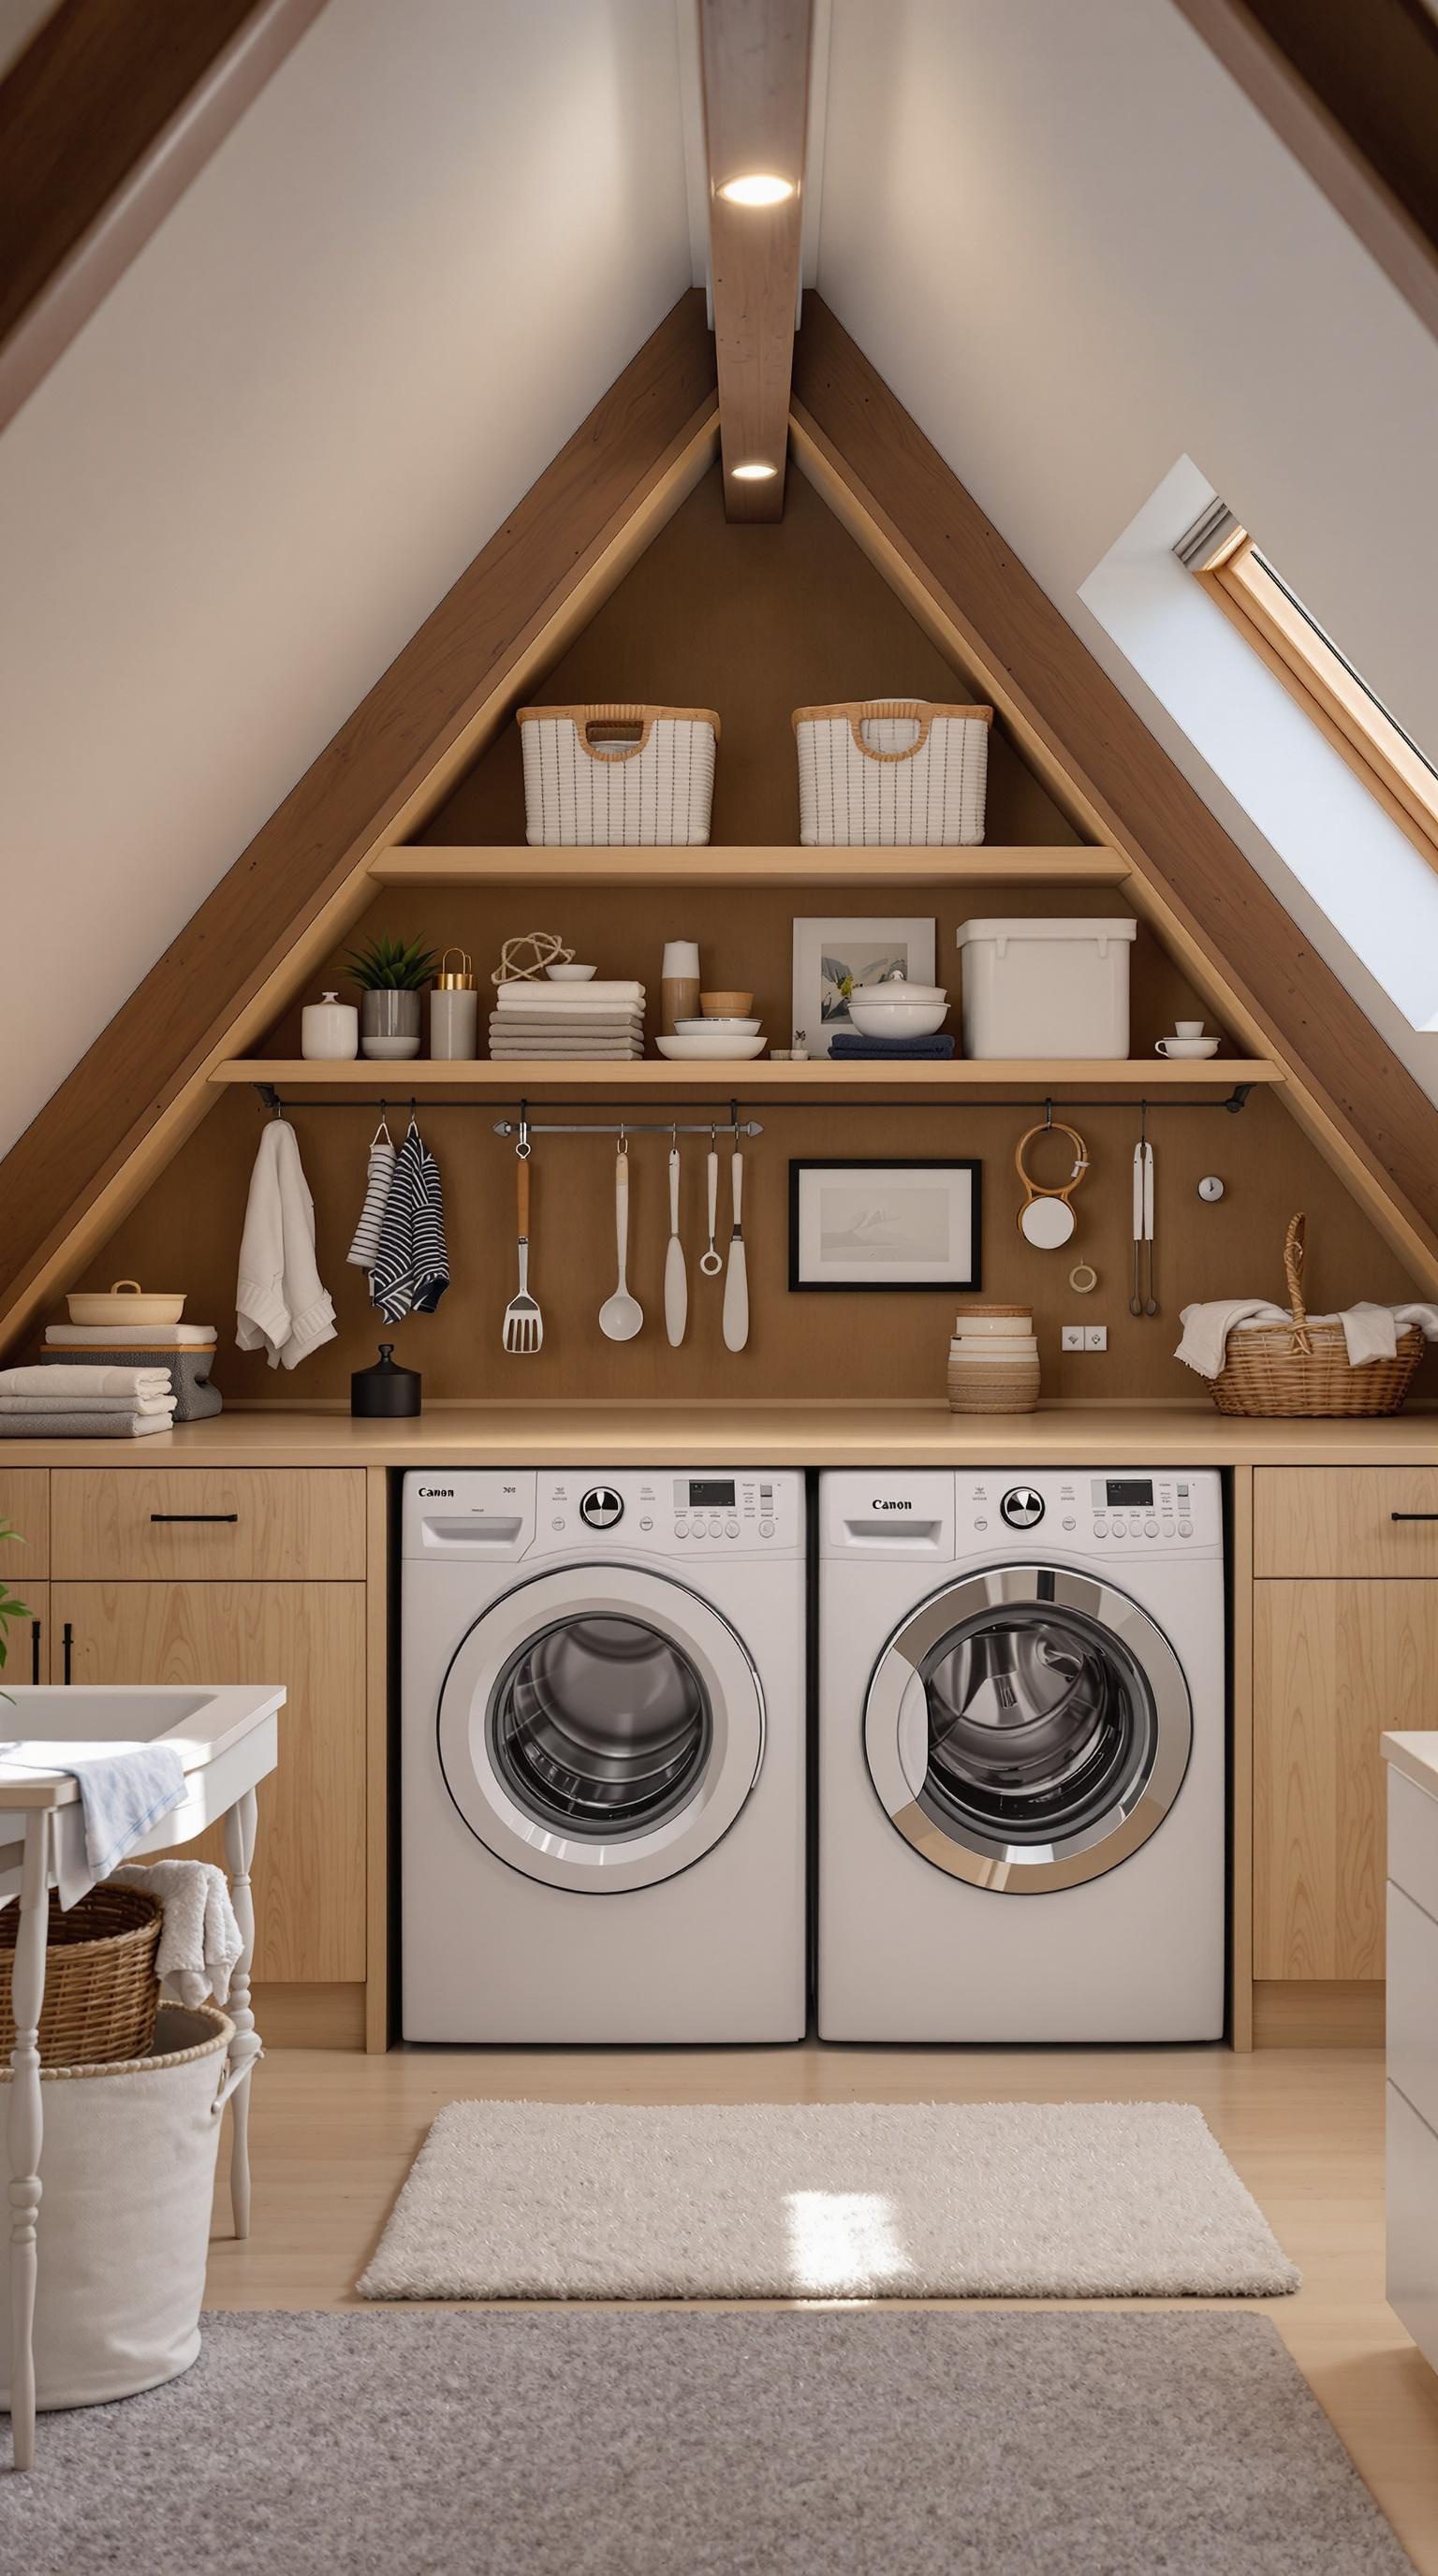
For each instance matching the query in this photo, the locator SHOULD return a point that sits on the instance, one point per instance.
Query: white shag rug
(533, 2200)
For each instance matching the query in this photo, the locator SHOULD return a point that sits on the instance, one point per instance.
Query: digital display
(1130, 1491)
(711, 1493)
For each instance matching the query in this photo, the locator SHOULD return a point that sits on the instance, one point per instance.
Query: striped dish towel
(411, 1271)
(365, 1247)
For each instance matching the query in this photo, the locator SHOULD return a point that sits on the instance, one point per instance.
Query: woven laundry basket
(618, 777)
(101, 1991)
(128, 2167)
(1301, 1368)
(891, 773)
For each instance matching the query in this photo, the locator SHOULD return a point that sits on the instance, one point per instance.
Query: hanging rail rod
(1233, 1102)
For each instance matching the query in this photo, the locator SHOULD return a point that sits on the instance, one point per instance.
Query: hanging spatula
(676, 1277)
(736, 1286)
(523, 1322)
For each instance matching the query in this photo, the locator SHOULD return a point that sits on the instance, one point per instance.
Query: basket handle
(597, 733)
(881, 710)
(1295, 1249)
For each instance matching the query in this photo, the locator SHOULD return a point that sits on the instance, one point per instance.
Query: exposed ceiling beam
(1096, 755)
(755, 56)
(1353, 92)
(105, 118)
(142, 1087)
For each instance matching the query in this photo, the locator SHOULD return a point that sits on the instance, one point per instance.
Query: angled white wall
(1078, 255)
(417, 262)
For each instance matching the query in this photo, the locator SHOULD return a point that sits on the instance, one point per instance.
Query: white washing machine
(1022, 1756)
(603, 1756)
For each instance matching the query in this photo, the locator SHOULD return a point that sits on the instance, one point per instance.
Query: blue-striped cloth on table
(411, 1269)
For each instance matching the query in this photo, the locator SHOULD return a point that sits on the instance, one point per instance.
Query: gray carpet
(828, 2200)
(669, 2444)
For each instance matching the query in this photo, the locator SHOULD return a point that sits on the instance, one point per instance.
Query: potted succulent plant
(391, 974)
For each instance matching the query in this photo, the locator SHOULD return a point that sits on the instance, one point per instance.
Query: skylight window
(1257, 600)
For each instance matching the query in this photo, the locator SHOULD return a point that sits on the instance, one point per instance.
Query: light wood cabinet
(1336, 1661)
(310, 1861)
(208, 1525)
(1345, 1522)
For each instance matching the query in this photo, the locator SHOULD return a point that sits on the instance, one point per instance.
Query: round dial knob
(1022, 1508)
(602, 1507)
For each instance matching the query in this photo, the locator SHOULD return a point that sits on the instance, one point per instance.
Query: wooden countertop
(754, 1435)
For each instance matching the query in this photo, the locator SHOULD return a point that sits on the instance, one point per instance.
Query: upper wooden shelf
(765, 863)
(655, 1078)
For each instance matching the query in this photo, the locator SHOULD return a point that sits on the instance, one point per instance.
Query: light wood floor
(333, 2137)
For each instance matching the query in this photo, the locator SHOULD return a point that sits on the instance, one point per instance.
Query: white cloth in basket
(1369, 1332)
(200, 1942)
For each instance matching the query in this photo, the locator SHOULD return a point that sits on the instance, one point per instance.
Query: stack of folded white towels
(533, 1019)
(55, 1402)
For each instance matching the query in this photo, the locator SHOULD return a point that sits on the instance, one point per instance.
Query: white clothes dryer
(603, 1757)
(1022, 1720)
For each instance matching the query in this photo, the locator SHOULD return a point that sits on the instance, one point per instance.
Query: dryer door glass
(1028, 1729)
(600, 1724)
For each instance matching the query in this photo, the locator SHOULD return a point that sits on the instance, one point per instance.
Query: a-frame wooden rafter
(119, 1118)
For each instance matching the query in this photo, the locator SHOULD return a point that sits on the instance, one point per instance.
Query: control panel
(1091, 1515)
(673, 1514)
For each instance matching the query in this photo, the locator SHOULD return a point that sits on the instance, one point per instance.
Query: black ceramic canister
(385, 1390)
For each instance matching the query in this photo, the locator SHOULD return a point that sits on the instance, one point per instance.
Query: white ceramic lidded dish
(896, 1009)
(329, 1031)
(737, 1050)
(124, 1302)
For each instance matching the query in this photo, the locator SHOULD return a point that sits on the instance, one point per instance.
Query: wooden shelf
(654, 1078)
(760, 864)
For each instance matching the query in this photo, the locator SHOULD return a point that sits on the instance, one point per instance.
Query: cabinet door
(310, 1853)
(28, 1657)
(1335, 1665)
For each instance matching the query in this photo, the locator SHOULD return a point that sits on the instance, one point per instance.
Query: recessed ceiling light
(753, 473)
(757, 188)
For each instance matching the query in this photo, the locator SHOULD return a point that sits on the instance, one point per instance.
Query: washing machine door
(1028, 1728)
(600, 1728)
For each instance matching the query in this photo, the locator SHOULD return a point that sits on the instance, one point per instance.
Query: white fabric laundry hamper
(128, 2174)
(618, 776)
(891, 773)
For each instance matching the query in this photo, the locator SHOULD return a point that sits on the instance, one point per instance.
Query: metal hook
(524, 1148)
(623, 1139)
(1048, 1113)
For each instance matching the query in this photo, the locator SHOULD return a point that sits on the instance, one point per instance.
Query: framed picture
(831, 957)
(884, 1225)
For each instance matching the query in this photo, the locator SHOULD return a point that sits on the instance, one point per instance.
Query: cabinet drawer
(25, 1504)
(1341, 1520)
(1413, 2005)
(1413, 1841)
(1413, 2223)
(203, 1524)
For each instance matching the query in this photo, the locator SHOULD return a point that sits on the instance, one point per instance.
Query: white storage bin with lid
(889, 773)
(618, 777)
(1046, 988)
(128, 2174)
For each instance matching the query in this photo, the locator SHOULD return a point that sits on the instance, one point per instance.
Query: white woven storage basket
(618, 776)
(891, 773)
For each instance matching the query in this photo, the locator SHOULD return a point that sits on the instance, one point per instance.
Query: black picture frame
(799, 1166)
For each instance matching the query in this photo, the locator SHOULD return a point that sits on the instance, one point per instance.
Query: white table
(227, 1740)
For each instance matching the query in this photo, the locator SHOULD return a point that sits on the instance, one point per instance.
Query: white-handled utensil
(523, 1322)
(1150, 1305)
(712, 1262)
(1135, 1303)
(676, 1277)
(736, 1286)
(621, 1316)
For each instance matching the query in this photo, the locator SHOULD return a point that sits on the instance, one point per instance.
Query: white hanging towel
(376, 1198)
(200, 1942)
(281, 1304)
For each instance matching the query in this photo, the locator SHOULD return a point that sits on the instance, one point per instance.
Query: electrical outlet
(1095, 1337)
(1073, 1337)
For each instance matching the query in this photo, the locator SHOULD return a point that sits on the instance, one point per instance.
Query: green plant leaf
(385, 964)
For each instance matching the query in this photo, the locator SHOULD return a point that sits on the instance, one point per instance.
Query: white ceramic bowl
(897, 988)
(569, 974)
(710, 1050)
(125, 1303)
(907, 1020)
(717, 1028)
(389, 1050)
(1187, 1050)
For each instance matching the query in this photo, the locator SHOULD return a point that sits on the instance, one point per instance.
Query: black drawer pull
(194, 1516)
(67, 1640)
(35, 1650)
(1413, 1516)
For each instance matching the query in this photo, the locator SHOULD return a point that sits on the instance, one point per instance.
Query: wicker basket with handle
(1304, 1368)
(100, 1986)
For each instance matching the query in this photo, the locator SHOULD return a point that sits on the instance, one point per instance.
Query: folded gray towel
(36, 1425)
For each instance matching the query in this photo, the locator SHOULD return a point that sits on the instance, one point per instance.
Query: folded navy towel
(847, 1043)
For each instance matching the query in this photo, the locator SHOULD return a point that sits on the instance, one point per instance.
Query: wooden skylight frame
(1273, 620)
